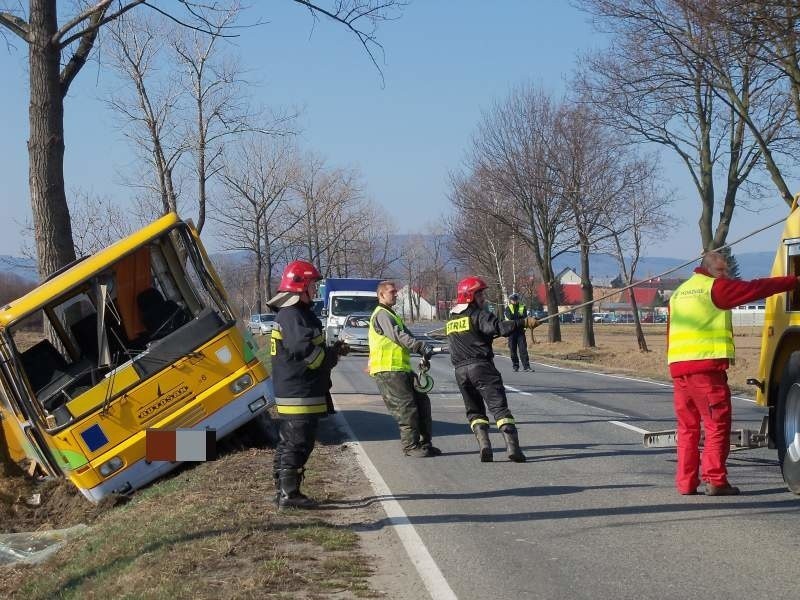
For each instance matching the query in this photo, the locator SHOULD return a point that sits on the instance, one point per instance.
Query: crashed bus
(137, 336)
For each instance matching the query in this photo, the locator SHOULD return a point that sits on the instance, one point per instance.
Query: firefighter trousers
(482, 387)
(298, 434)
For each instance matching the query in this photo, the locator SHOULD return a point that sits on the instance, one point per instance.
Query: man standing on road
(700, 349)
(471, 329)
(517, 344)
(301, 373)
(390, 347)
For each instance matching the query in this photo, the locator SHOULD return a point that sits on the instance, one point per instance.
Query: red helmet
(297, 275)
(467, 288)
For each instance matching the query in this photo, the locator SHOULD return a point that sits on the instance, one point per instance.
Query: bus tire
(787, 423)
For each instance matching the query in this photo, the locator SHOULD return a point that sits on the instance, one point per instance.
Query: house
(422, 309)
(568, 276)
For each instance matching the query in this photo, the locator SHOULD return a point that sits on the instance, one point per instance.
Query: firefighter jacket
(515, 311)
(301, 367)
(470, 334)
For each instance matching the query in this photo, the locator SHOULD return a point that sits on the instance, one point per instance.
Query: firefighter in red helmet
(301, 368)
(470, 331)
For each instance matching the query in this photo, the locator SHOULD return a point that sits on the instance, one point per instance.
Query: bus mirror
(324, 312)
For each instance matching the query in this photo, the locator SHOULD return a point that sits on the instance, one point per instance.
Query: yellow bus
(137, 336)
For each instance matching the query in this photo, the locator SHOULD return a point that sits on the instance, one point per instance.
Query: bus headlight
(241, 383)
(111, 466)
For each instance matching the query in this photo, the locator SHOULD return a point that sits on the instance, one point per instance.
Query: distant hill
(21, 267)
(603, 267)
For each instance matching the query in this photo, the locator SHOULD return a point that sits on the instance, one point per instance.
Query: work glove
(331, 358)
(531, 323)
(341, 348)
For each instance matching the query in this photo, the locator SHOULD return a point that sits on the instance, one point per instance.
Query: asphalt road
(592, 514)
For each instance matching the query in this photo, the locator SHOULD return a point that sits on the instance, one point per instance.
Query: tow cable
(616, 291)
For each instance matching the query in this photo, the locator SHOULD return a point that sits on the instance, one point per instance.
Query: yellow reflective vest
(384, 353)
(698, 330)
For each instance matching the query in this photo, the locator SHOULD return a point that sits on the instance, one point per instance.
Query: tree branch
(16, 25)
(95, 23)
(78, 59)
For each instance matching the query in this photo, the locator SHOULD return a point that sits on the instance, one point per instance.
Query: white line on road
(617, 423)
(428, 571)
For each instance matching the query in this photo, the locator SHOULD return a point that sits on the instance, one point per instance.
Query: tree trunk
(51, 219)
(587, 294)
(639, 333)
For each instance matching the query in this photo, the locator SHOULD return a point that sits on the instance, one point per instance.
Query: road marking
(614, 412)
(422, 560)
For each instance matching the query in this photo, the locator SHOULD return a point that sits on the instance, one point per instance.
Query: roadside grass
(210, 531)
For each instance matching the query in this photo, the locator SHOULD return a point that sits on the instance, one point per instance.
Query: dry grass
(211, 531)
(618, 351)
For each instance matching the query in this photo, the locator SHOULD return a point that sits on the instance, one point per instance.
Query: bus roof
(84, 270)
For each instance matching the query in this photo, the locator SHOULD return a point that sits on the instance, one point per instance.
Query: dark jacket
(300, 366)
(470, 334)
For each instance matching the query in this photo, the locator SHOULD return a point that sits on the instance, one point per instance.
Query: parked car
(539, 314)
(625, 318)
(261, 323)
(355, 332)
(599, 317)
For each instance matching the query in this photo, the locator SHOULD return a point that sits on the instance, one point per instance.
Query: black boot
(482, 435)
(290, 494)
(512, 443)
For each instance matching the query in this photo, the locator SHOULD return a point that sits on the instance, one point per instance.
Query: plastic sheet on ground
(34, 546)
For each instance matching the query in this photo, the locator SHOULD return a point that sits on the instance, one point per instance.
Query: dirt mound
(60, 504)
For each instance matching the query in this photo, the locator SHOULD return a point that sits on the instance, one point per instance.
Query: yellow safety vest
(698, 330)
(385, 354)
(518, 311)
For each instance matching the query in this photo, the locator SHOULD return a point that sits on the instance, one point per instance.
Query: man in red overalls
(700, 349)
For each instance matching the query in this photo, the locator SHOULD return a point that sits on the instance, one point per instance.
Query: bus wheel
(787, 423)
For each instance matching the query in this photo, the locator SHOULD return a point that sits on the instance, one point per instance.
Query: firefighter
(700, 349)
(301, 371)
(470, 331)
(390, 347)
(517, 344)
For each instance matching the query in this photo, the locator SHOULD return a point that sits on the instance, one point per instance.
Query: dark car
(539, 314)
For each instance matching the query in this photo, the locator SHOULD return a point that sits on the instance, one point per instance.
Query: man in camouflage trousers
(390, 347)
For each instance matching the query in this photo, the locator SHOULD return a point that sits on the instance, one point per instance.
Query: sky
(445, 62)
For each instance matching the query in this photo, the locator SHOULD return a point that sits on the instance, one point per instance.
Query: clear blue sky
(445, 61)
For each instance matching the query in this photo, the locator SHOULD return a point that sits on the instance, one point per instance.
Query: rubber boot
(484, 445)
(276, 478)
(512, 443)
(290, 494)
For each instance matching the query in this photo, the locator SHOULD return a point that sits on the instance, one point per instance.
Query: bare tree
(98, 222)
(257, 180)
(149, 109)
(652, 87)
(595, 170)
(640, 214)
(481, 242)
(511, 154)
(49, 82)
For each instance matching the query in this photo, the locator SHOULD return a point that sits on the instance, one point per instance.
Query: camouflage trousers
(410, 408)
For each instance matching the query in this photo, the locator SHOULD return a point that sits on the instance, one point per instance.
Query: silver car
(261, 323)
(355, 332)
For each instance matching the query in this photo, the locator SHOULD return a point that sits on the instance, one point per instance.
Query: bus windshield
(123, 321)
